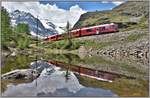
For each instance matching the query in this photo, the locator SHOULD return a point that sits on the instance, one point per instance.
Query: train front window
(89, 30)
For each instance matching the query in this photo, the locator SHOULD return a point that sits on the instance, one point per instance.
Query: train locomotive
(87, 31)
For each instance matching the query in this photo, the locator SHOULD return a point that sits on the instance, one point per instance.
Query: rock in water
(20, 74)
(13, 54)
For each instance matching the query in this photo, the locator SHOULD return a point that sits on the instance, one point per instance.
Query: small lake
(55, 83)
(73, 75)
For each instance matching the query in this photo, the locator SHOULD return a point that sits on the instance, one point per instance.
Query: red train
(86, 31)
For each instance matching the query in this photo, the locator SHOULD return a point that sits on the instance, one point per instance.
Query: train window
(52, 37)
(89, 30)
(112, 26)
(102, 28)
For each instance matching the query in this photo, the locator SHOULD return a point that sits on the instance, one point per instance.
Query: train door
(97, 30)
(79, 32)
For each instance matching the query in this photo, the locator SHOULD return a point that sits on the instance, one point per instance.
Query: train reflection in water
(96, 74)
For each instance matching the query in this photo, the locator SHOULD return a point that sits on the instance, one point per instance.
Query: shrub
(23, 42)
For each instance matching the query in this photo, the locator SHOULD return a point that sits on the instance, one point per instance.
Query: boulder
(13, 54)
(20, 74)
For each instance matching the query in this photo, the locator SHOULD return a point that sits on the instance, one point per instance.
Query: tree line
(17, 36)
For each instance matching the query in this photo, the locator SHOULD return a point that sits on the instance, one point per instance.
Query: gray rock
(13, 54)
(20, 74)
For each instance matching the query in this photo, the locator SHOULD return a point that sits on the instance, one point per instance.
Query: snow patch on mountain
(44, 29)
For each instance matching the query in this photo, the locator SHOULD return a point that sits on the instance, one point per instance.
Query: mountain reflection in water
(54, 84)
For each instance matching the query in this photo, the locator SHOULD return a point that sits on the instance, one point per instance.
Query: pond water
(54, 83)
(72, 75)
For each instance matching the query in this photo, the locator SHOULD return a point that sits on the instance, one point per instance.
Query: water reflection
(124, 67)
(66, 66)
(54, 84)
(96, 74)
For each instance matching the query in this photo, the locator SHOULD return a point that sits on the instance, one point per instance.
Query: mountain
(51, 25)
(24, 17)
(133, 8)
(129, 15)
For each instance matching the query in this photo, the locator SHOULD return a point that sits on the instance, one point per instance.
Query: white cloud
(114, 2)
(53, 13)
(117, 2)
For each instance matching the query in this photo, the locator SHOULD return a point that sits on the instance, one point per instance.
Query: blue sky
(88, 6)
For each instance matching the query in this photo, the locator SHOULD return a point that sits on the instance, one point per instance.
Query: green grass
(76, 44)
(18, 62)
(134, 37)
(66, 58)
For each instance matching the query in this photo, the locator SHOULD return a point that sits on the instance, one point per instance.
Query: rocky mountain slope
(23, 17)
(129, 15)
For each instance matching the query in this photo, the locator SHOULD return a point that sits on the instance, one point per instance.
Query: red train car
(100, 29)
(59, 37)
(86, 31)
(55, 37)
(51, 38)
(75, 33)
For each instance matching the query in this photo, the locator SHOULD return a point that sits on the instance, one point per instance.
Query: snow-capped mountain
(44, 29)
(51, 24)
